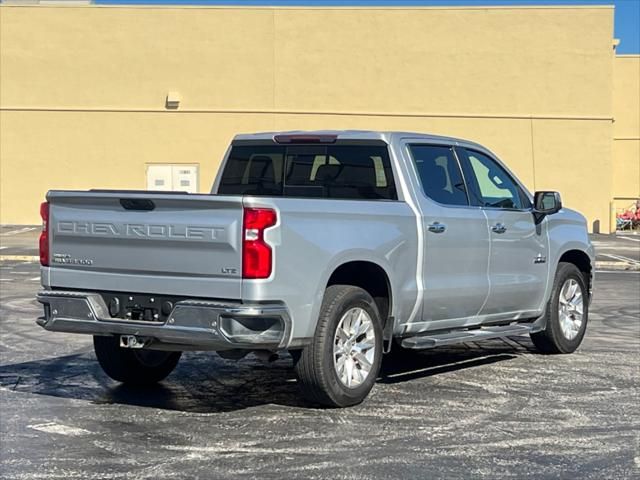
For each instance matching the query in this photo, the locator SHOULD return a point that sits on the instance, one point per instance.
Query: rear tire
(132, 366)
(340, 366)
(566, 321)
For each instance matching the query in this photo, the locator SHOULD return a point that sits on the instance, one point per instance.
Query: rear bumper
(193, 324)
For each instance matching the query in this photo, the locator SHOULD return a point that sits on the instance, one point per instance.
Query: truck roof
(355, 135)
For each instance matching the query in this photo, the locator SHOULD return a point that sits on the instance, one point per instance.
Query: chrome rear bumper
(194, 324)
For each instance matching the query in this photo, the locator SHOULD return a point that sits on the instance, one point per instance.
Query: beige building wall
(626, 130)
(82, 89)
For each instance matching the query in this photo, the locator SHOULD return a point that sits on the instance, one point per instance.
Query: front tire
(566, 314)
(340, 366)
(132, 366)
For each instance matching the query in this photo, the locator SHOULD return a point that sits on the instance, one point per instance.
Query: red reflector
(44, 235)
(256, 253)
(303, 138)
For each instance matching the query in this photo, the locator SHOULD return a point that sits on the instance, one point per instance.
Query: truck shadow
(206, 383)
(402, 365)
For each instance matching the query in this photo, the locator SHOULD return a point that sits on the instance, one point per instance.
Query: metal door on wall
(167, 177)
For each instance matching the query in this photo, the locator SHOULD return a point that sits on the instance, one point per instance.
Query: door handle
(499, 228)
(436, 227)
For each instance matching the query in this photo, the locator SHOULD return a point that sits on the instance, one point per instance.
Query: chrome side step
(460, 336)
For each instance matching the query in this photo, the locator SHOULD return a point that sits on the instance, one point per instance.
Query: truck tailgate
(146, 242)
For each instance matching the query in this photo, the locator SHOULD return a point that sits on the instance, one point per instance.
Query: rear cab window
(360, 171)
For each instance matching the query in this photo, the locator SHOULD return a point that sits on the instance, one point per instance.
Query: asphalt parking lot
(493, 409)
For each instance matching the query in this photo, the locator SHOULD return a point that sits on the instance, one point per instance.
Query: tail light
(257, 258)
(44, 236)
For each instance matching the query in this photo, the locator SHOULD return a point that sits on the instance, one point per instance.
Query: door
(519, 248)
(456, 241)
(159, 177)
(185, 178)
(166, 177)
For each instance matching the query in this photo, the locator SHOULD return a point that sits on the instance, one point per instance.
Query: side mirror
(546, 203)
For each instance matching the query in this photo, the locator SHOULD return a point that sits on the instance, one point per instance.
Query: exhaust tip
(266, 356)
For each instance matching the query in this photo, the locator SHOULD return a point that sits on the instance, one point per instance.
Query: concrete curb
(19, 258)
(622, 266)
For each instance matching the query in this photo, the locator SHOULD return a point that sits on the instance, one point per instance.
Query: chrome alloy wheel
(354, 347)
(570, 308)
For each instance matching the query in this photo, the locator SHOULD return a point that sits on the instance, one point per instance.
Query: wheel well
(369, 277)
(582, 261)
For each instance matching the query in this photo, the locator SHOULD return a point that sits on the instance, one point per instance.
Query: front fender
(566, 232)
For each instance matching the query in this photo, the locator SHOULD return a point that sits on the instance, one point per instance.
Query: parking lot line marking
(621, 258)
(632, 239)
(16, 232)
(2, 248)
(34, 279)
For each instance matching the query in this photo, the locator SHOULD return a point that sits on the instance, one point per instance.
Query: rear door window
(359, 172)
(439, 173)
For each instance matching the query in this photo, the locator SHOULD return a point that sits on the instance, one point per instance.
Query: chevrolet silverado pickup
(336, 246)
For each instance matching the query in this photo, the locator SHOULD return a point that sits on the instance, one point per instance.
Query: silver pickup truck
(337, 246)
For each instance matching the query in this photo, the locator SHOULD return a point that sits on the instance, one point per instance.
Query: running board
(461, 336)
